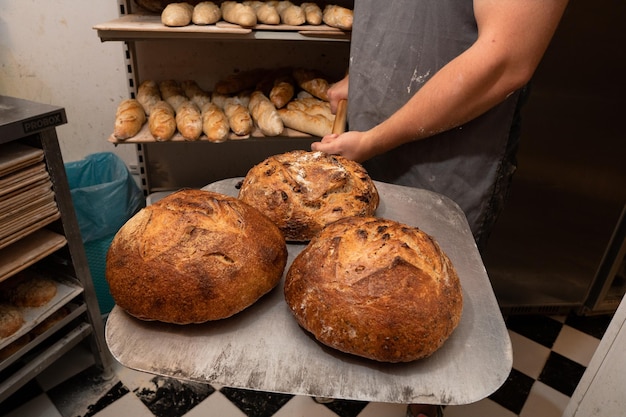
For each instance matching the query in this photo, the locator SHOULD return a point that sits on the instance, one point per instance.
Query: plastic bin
(105, 196)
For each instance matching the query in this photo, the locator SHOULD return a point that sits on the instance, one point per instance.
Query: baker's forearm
(513, 36)
(459, 92)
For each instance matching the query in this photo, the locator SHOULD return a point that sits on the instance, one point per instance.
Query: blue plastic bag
(104, 194)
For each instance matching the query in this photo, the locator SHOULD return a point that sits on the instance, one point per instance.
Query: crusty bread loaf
(11, 320)
(169, 88)
(129, 118)
(312, 82)
(239, 118)
(32, 290)
(282, 91)
(290, 14)
(219, 99)
(375, 288)
(177, 14)
(195, 93)
(173, 93)
(148, 95)
(312, 105)
(265, 115)
(312, 12)
(162, 121)
(206, 13)
(301, 192)
(238, 13)
(338, 17)
(189, 120)
(194, 256)
(313, 124)
(266, 13)
(214, 123)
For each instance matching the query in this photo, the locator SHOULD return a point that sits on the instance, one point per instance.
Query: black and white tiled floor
(550, 354)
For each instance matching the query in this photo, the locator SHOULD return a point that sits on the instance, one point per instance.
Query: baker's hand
(337, 92)
(351, 145)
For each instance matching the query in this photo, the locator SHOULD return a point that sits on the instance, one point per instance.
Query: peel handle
(339, 125)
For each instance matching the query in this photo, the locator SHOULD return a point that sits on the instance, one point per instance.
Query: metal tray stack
(26, 196)
(27, 205)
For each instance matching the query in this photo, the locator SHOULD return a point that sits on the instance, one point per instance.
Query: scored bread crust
(194, 256)
(375, 288)
(301, 192)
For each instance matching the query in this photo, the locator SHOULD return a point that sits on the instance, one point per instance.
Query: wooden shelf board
(144, 136)
(29, 250)
(149, 26)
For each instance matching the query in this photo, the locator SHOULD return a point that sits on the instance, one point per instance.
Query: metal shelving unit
(207, 54)
(47, 244)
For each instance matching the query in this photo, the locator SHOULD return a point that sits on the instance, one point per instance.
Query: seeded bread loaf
(301, 192)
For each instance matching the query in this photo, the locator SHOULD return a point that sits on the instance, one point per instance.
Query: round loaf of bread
(301, 192)
(11, 320)
(33, 290)
(375, 288)
(194, 256)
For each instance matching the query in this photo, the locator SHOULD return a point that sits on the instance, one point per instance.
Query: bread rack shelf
(207, 54)
(29, 250)
(148, 26)
(144, 136)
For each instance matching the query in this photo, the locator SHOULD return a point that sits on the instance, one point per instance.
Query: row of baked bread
(364, 285)
(250, 13)
(269, 100)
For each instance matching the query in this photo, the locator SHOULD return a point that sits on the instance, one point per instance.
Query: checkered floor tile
(550, 355)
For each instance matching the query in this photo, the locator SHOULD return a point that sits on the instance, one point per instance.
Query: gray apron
(396, 47)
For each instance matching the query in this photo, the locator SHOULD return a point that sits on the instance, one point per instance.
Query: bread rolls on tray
(249, 13)
(237, 104)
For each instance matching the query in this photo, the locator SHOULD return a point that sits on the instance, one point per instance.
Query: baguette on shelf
(256, 103)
